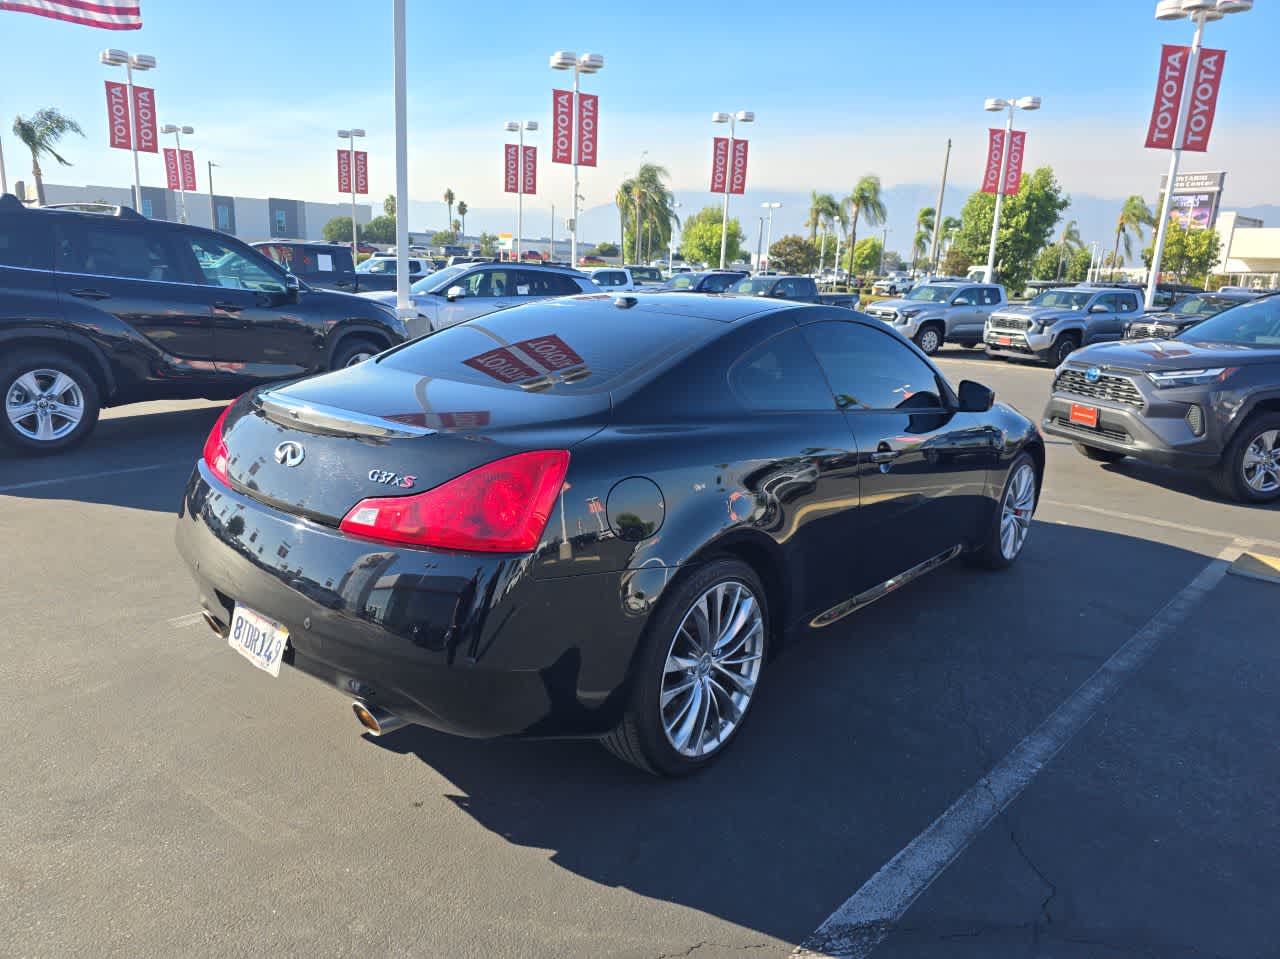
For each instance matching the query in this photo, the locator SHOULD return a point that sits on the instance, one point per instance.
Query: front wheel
(1011, 521)
(929, 339)
(1066, 344)
(51, 402)
(698, 672)
(1250, 468)
(353, 352)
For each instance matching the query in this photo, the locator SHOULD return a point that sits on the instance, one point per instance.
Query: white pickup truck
(894, 284)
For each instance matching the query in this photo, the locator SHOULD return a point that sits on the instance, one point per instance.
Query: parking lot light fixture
(995, 105)
(588, 63)
(113, 57)
(768, 243)
(178, 130)
(1200, 12)
(351, 136)
(742, 116)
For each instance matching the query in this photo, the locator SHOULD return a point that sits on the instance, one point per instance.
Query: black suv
(1209, 397)
(101, 309)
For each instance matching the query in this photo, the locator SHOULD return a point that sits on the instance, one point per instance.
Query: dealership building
(1250, 251)
(249, 218)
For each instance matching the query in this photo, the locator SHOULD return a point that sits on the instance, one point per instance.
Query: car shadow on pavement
(862, 735)
(1195, 483)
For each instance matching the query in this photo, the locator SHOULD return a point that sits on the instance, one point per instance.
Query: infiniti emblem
(290, 453)
(1092, 374)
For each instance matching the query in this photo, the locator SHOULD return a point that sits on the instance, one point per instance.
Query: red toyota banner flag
(588, 122)
(549, 351)
(344, 171)
(187, 160)
(118, 115)
(562, 126)
(144, 119)
(995, 151)
(1164, 113)
(1013, 175)
(111, 15)
(738, 168)
(511, 168)
(529, 171)
(362, 172)
(719, 164)
(1204, 99)
(501, 364)
(171, 172)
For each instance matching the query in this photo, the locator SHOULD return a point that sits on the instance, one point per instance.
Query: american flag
(118, 15)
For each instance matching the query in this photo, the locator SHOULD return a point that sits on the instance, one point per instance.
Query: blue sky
(840, 89)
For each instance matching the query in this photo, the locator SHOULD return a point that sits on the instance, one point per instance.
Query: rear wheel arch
(765, 558)
(1263, 404)
(347, 335)
(76, 348)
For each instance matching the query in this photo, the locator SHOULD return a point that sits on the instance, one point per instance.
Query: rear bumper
(469, 644)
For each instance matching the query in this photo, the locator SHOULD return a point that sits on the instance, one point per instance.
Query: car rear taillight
(501, 507)
(215, 447)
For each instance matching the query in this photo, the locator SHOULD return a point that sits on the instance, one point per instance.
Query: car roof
(721, 307)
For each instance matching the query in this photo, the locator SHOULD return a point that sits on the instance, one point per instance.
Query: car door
(484, 290)
(1127, 309)
(965, 316)
(261, 331)
(922, 465)
(1101, 318)
(136, 273)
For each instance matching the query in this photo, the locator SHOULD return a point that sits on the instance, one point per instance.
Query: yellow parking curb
(1257, 566)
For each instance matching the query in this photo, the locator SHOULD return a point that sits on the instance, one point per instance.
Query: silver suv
(463, 292)
(941, 312)
(1058, 322)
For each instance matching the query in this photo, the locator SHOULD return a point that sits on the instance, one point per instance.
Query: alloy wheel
(44, 405)
(1261, 462)
(711, 670)
(358, 358)
(929, 341)
(1016, 510)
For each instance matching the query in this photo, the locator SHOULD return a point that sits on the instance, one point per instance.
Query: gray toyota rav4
(1057, 322)
(1208, 398)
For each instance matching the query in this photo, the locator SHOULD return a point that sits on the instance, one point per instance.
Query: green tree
(462, 215)
(793, 254)
(823, 210)
(606, 249)
(41, 134)
(338, 230)
(1134, 216)
(646, 208)
(925, 219)
(1068, 242)
(381, 229)
(956, 262)
(700, 237)
(865, 203)
(389, 206)
(488, 244)
(1026, 224)
(1189, 253)
(448, 201)
(1077, 268)
(441, 238)
(1047, 264)
(866, 255)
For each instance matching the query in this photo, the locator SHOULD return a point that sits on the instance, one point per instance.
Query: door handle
(884, 454)
(91, 294)
(227, 306)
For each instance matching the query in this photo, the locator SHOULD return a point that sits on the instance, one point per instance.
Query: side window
(720, 282)
(224, 265)
(990, 296)
(966, 297)
(608, 278)
(1128, 302)
(557, 284)
(1107, 300)
(780, 375)
(106, 249)
(870, 370)
(790, 288)
(25, 241)
(491, 283)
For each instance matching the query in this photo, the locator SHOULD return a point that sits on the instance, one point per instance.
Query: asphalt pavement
(163, 798)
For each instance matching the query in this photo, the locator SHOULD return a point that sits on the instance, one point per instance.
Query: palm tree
(863, 202)
(389, 206)
(924, 232)
(1070, 240)
(622, 200)
(40, 134)
(1134, 215)
(646, 204)
(462, 214)
(448, 201)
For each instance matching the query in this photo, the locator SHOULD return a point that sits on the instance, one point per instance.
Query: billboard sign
(1196, 198)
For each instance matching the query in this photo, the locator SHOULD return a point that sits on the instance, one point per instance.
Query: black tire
(1229, 478)
(1063, 347)
(355, 349)
(640, 738)
(930, 338)
(974, 345)
(84, 397)
(1098, 455)
(991, 555)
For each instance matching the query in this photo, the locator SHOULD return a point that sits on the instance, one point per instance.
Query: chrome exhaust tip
(213, 624)
(375, 719)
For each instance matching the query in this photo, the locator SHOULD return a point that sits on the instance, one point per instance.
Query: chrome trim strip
(867, 597)
(295, 413)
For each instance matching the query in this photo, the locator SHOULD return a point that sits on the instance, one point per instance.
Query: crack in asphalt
(698, 945)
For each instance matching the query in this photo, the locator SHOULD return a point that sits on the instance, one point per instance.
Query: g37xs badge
(388, 478)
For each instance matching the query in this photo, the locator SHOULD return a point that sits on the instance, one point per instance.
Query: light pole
(213, 212)
(937, 212)
(671, 246)
(177, 132)
(515, 126)
(742, 116)
(350, 136)
(884, 245)
(768, 243)
(587, 63)
(131, 62)
(1200, 12)
(995, 105)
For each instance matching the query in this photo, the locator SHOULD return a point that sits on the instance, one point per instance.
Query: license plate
(1004, 341)
(260, 640)
(1084, 415)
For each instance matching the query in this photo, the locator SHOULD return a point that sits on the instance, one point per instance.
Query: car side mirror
(961, 301)
(292, 288)
(1098, 308)
(975, 398)
(454, 293)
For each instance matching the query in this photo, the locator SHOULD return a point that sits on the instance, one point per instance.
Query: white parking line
(1153, 521)
(181, 622)
(88, 476)
(864, 920)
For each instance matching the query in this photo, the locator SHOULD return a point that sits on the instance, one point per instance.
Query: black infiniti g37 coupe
(595, 517)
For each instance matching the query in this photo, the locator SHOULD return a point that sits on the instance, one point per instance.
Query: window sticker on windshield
(522, 289)
(324, 262)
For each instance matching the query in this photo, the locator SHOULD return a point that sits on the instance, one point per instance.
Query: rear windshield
(583, 345)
